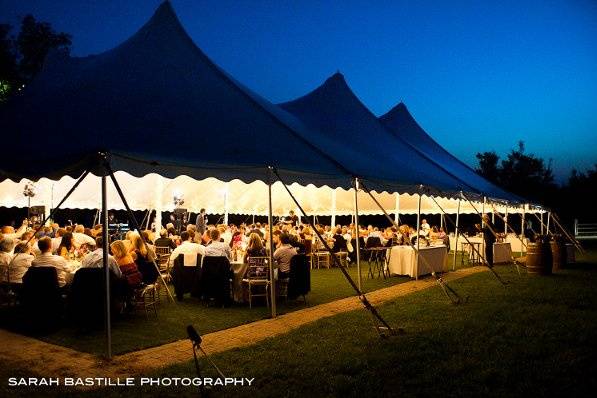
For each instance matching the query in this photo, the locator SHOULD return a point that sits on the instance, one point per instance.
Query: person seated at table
(283, 256)
(434, 233)
(21, 261)
(225, 234)
(95, 259)
(144, 256)
(217, 248)
(80, 238)
(57, 239)
(148, 236)
(6, 254)
(425, 228)
(171, 231)
(46, 258)
(164, 241)
(126, 264)
(255, 247)
(67, 246)
(296, 242)
(444, 237)
(187, 246)
(339, 242)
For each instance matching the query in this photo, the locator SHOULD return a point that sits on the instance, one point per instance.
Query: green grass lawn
(534, 337)
(137, 332)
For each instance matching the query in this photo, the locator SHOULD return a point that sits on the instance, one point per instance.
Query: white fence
(585, 230)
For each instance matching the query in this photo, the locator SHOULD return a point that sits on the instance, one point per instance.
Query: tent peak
(399, 110)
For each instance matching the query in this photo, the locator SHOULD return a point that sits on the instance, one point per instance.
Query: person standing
(201, 222)
(489, 237)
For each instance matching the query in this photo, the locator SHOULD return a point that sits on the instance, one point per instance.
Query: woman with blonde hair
(126, 264)
(255, 247)
(144, 256)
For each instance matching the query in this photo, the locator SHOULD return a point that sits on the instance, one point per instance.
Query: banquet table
(73, 266)
(502, 253)
(402, 260)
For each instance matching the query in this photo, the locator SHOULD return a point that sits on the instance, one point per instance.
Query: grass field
(533, 337)
(136, 332)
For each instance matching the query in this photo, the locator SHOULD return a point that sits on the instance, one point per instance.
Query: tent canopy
(400, 122)
(156, 103)
(333, 110)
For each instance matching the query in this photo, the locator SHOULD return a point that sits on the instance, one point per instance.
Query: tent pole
(456, 235)
(333, 209)
(158, 204)
(357, 230)
(542, 230)
(418, 237)
(506, 222)
(108, 322)
(397, 212)
(548, 219)
(483, 226)
(270, 220)
(524, 208)
(226, 204)
(441, 221)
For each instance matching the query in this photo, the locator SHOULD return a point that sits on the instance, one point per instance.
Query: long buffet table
(402, 260)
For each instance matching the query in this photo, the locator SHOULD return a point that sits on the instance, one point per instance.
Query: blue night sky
(476, 75)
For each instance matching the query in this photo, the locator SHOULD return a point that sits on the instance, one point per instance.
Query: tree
(523, 174)
(8, 63)
(488, 166)
(22, 58)
(34, 41)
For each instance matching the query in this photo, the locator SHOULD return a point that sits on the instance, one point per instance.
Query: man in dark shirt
(489, 237)
(164, 241)
(291, 219)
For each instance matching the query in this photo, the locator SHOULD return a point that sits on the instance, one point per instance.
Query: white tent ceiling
(217, 197)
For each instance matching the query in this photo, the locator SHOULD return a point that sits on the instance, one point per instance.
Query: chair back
(185, 279)
(258, 268)
(308, 246)
(216, 274)
(162, 255)
(41, 296)
(300, 276)
(87, 296)
(373, 241)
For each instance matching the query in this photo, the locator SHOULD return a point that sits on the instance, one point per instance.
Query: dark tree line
(532, 178)
(22, 56)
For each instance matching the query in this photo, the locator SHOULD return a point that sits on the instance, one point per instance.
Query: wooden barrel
(558, 254)
(539, 261)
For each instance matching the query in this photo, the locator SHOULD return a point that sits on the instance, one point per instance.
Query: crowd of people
(133, 257)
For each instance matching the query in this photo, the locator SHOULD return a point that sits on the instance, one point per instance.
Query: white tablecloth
(402, 260)
(514, 241)
(502, 253)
